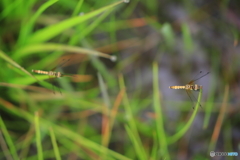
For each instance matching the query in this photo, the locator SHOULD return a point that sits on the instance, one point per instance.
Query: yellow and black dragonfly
(191, 87)
(52, 74)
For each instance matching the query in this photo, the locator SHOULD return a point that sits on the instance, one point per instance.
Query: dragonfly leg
(59, 90)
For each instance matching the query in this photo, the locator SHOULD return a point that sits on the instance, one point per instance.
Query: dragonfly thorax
(56, 74)
(194, 87)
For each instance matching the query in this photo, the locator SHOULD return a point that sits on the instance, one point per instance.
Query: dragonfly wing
(195, 79)
(64, 61)
(51, 79)
(189, 93)
(79, 78)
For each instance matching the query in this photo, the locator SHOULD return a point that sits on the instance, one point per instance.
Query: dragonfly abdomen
(40, 71)
(177, 87)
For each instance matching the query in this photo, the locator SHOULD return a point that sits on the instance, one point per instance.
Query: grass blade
(187, 39)
(38, 137)
(179, 134)
(220, 119)
(26, 29)
(9, 141)
(54, 143)
(131, 125)
(72, 135)
(9, 60)
(104, 92)
(47, 33)
(28, 50)
(161, 135)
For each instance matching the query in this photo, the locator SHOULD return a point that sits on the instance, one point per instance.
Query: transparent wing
(79, 78)
(50, 79)
(195, 79)
(189, 93)
(64, 61)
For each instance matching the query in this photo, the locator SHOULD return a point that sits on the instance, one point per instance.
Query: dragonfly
(52, 74)
(191, 87)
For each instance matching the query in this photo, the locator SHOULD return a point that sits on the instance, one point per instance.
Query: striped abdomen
(177, 87)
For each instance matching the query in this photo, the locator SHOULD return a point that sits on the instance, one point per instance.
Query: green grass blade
(77, 8)
(54, 143)
(104, 92)
(104, 71)
(8, 140)
(27, 27)
(183, 131)
(168, 34)
(75, 137)
(138, 146)
(12, 62)
(155, 147)
(187, 39)
(38, 137)
(4, 148)
(161, 135)
(53, 30)
(134, 141)
(72, 135)
(28, 80)
(87, 30)
(28, 50)
(9, 8)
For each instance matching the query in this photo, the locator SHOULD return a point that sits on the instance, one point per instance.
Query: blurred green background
(120, 109)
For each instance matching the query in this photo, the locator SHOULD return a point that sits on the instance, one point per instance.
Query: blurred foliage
(123, 109)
